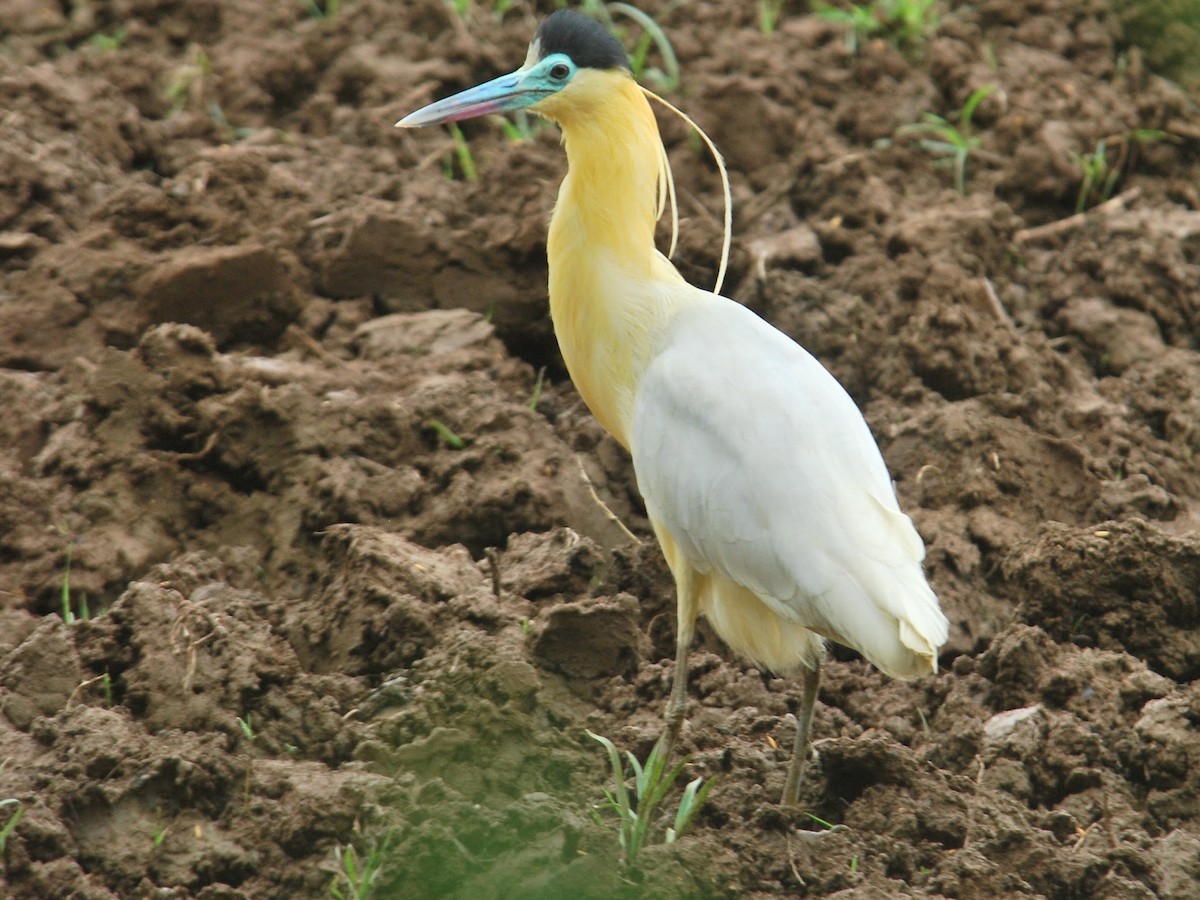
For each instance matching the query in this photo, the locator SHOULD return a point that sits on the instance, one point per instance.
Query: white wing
(762, 468)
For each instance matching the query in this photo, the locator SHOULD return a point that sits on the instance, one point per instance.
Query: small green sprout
(247, 728)
(462, 153)
(356, 876)
(68, 606)
(853, 865)
(950, 140)
(67, 614)
(105, 689)
(187, 83)
(160, 835)
(1100, 174)
(11, 825)
(768, 15)
(650, 785)
(906, 22)
(537, 388)
(1099, 179)
(443, 431)
(861, 22)
(107, 42)
(327, 11)
(511, 131)
(910, 21)
(522, 128)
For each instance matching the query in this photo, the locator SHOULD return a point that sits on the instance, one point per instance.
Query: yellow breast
(610, 289)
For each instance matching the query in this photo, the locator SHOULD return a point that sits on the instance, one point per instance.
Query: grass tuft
(356, 875)
(637, 813)
(1100, 173)
(952, 141)
(907, 23)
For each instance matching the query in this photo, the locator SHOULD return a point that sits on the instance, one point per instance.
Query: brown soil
(242, 319)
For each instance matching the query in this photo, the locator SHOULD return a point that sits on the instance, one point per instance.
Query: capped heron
(762, 482)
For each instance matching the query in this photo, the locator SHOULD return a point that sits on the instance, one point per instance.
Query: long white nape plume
(666, 189)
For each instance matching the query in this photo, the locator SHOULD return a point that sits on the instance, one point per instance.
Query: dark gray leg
(795, 775)
(685, 630)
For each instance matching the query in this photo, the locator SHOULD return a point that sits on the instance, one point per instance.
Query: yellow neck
(605, 272)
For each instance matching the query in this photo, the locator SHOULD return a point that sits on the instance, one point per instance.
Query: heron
(762, 482)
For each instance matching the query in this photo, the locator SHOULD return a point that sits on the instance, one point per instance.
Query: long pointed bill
(496, 96)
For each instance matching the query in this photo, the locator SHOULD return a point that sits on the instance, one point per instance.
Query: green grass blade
(618, 771)
(652, 28)
(462, 151)
(819, 820)
(444, 431)
(977, 96)
(67, 614)
(11, 825)
(694, 796)
(658, 788)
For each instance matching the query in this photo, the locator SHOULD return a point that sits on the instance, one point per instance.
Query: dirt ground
(271, 420)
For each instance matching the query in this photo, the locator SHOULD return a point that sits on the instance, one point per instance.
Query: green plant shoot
(651, 783)
(11, 825)
(356, 875)
(952, 141)
(447, 435)
(906, 22)
(462, 152)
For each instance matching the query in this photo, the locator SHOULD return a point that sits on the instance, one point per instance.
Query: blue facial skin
(517, 90)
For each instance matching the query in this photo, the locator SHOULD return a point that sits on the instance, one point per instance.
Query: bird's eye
(560, 71)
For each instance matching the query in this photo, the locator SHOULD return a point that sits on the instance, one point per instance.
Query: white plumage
(764, 473)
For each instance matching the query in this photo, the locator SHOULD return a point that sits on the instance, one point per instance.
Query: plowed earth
(270, 408)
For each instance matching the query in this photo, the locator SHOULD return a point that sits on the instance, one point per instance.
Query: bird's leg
(795, 775)
(685, 629)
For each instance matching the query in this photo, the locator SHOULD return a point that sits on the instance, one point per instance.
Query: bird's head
(568, 71)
